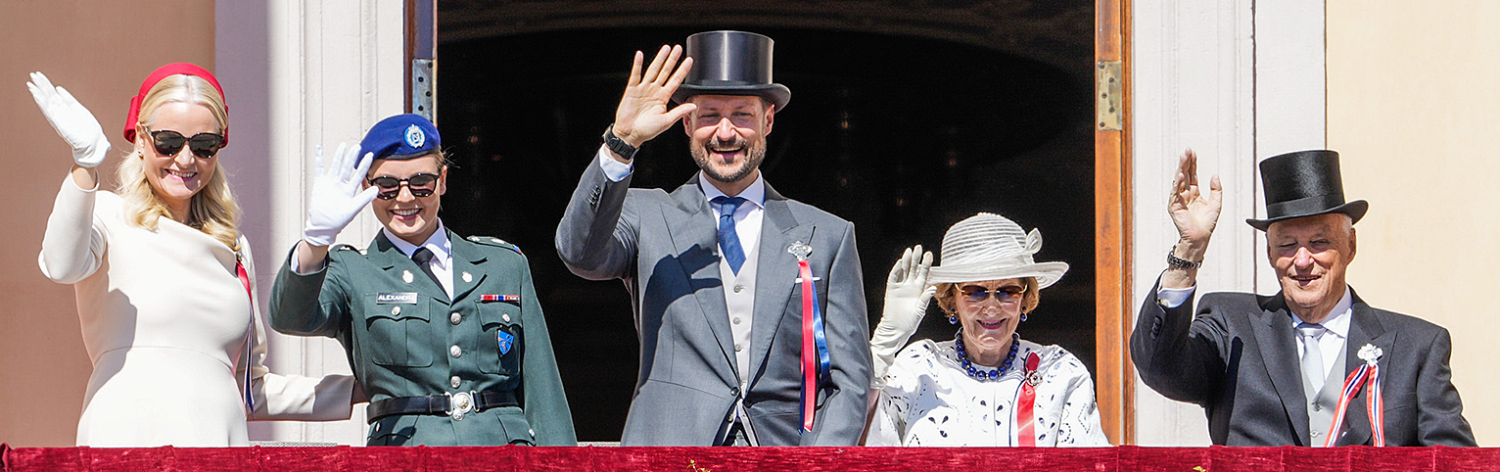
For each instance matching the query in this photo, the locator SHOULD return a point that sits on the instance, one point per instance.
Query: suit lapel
(1278, 351)
(1364, 328)
(775, 275)
(694, 234)
(466, 260)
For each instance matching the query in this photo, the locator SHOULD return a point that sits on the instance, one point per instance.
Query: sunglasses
(421, 185)
(975, 294)
(203, 145)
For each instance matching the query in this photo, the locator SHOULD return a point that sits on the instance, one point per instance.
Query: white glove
(906, 298)
(71, 120)
(336, 196)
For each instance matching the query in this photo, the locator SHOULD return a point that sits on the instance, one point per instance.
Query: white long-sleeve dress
(929, 401)
(168, 327)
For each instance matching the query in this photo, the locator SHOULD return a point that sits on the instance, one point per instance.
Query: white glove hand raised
(906, 298)
(336, 196)
(72, 121)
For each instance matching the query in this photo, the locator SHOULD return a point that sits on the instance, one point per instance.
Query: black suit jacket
(1238, 359)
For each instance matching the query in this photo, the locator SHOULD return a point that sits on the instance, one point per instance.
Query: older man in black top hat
(749, 306)
(1312, 365)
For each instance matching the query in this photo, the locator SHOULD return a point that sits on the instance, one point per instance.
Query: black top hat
(1304, 183)
(731, 63)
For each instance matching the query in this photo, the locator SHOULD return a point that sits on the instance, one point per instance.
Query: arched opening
(903, 135)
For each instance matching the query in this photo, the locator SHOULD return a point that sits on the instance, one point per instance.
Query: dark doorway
(903, 136)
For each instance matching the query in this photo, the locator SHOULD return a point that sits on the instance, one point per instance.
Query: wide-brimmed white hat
(992, 247)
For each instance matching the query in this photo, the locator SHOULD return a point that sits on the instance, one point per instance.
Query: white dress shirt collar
(755, 193)
(438, 243)
(1337, 321)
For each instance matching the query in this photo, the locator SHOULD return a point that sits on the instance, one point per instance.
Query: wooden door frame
(1113, 237)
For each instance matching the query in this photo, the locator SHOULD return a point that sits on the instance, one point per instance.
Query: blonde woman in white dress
(164, 279)
(987, 386)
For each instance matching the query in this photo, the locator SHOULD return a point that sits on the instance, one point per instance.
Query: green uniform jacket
(426, 344)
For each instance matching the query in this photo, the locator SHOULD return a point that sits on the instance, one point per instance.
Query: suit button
(455, 381)
(739, 288)
(395, 310)
(455, 318)
(455, 351)
(735, 391)
(505, 317)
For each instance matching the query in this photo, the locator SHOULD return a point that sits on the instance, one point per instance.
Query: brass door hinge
(1109, 107)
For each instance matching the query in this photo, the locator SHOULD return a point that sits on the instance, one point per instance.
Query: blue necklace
(985, 374)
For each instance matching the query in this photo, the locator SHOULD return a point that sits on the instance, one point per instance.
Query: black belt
(452, 404)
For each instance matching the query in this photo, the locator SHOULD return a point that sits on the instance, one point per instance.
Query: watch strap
(1180, 263)
(617, 145)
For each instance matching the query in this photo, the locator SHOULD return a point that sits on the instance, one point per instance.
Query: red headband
(160, 74)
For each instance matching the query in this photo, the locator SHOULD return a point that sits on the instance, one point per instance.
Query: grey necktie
(1312, 355)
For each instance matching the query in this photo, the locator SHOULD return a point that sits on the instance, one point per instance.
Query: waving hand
(644, 110)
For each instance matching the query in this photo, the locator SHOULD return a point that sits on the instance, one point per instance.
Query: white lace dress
(929, 401)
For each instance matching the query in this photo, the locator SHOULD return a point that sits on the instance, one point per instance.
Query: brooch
(800, 249)
(1369, 353)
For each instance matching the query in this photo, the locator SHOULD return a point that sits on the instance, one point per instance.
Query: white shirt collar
(1337, 321)
(755, 193)
(438, 243)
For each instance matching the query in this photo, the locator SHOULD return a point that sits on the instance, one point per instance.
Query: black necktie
(422, 257)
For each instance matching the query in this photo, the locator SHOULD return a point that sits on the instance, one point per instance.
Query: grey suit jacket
(1238, 359)
(664, 248)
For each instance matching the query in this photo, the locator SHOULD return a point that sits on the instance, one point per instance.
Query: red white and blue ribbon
(1368, 373)
(815, 364)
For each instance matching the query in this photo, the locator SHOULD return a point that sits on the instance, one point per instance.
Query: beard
(755, 153)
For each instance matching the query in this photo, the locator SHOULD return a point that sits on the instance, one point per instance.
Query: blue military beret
(401, 137)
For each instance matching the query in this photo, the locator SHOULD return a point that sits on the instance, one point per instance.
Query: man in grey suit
(717, 268)
(1277, 370)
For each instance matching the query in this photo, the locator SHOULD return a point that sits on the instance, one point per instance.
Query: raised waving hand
(645, 110)
(1195, 214)
(72, 121)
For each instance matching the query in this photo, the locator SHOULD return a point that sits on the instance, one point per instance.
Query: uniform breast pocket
(501, 347)
(397, 330)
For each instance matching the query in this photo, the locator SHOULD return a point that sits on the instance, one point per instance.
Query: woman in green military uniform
(444, 334)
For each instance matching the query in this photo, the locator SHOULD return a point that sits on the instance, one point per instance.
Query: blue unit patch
(506, 340)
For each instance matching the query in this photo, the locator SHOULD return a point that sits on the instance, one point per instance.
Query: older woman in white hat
(987, 386)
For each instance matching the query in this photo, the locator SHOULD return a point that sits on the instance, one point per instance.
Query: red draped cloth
(720, 459)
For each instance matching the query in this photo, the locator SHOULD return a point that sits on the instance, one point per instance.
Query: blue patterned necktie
(729, 241)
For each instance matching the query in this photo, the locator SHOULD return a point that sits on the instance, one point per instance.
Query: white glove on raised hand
(336, 196)
(906, 298)
(72, 121)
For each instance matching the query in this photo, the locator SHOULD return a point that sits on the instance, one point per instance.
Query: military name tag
(396, 298)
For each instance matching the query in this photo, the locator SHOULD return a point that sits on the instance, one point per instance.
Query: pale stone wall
(1413, 109)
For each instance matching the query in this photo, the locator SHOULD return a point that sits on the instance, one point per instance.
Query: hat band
(1305, 206)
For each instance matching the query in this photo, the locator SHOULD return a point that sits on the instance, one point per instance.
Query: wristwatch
(619, 146)
(1180, 263)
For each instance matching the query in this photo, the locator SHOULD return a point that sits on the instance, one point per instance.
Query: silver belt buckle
(460, 404)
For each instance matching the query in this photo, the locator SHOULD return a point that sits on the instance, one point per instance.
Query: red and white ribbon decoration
(1026, 404)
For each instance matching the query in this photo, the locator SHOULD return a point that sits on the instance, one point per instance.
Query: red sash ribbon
(1026, 404)
(239, 269)
(815, 361)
